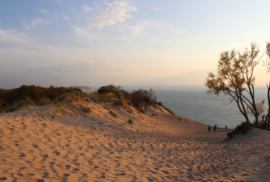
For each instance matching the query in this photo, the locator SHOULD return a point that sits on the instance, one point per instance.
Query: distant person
(157, 114)
(209, 128)
(179, 120)
(226, 127)
(215, 127)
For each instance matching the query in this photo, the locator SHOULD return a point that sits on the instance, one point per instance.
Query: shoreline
(63, 143)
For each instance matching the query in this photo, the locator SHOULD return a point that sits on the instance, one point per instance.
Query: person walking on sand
(215, 127)
(179, 120)
(209, 128)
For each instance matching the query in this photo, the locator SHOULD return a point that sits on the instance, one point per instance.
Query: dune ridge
(63, 143)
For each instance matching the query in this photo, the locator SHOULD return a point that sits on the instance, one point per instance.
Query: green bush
(130, 121)
(242, 128)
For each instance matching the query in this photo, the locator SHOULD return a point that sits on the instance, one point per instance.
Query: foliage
(259, 106)
(130, 121)
(109, 88)
(106, 97)
(120, 100)
(11, 100)
(267, 63)
(242, 128)
(3, 104)
(235, 78)
(45, 101)
(19, 104)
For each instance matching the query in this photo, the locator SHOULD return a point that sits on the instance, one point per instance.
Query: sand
(62, 143)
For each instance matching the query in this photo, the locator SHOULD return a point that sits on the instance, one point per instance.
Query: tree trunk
(268, 98)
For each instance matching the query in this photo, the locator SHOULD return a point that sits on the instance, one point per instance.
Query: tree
(259, 106)
(267, 64)
(235, 77)
(109, 88)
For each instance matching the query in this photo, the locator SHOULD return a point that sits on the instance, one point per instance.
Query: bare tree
(235, 78)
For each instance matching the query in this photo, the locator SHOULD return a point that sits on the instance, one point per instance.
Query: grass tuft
(113, 114)
(19, 104)
(130, 121)
(242, 128)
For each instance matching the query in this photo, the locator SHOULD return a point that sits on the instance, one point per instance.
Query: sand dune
(62, 143)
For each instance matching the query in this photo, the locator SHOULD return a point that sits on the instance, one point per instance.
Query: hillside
(83, 141)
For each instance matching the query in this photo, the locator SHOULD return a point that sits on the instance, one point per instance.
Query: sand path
(63, 144)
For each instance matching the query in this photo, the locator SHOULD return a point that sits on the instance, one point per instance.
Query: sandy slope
(65, 144)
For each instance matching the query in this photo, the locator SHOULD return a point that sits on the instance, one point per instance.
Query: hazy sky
(140, 42)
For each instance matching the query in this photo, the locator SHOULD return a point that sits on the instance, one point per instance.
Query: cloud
(77, 16)
(84, 33)
(66, 17)
(83, 66)
(86, 9)
(145, 6)
(11, 36)
(34, 23)
(156, 8)
(153, 29)
(43, 11)
(114, 12)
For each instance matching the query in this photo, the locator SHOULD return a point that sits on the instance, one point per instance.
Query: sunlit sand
(63, 143)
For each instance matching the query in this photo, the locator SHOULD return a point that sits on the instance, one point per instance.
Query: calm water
(207, 109)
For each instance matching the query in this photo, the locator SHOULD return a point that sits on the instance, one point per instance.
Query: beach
(64, 143)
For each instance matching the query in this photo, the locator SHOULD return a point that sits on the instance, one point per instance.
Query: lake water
(207, 109)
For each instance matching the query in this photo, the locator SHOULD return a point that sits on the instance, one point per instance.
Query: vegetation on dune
(235, 77)
(113, 114)
(130, 121)
(138, 98)
(12, 100)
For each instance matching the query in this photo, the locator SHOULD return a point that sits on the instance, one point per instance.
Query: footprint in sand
(36, 146)
(165, 172)
(45, 156)
(75, 170)
(45, 175)
(67, 167)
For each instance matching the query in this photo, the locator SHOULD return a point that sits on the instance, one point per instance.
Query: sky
(126, 43)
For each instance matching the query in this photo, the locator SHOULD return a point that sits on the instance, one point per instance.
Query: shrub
(113, 114)
(109, 88)
(94, 97)
(242, 128)
(19, 104)
(130, 121)
(73, 96)
(108, 97)
(3, 104)
(120, 101)
(44, 102)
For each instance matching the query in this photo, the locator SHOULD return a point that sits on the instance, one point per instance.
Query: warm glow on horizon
(95, 43)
